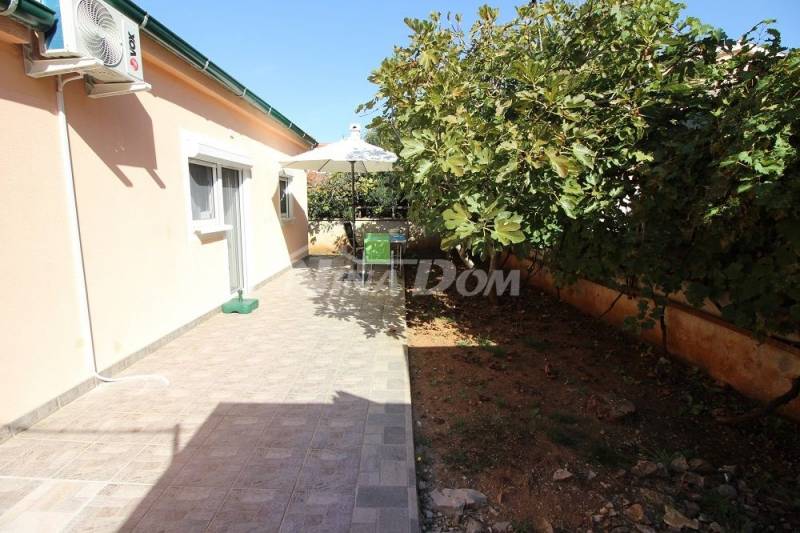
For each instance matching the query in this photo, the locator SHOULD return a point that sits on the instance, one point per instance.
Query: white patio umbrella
(348, 155)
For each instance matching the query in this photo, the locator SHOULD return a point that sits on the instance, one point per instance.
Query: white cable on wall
(75, 229)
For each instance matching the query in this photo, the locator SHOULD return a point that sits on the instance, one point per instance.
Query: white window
(205, 192)
(201, 186)
(285, 197)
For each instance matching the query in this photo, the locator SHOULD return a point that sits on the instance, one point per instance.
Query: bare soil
(504, 395)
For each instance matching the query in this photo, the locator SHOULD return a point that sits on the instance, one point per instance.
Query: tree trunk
(462, 255)
(491, 290)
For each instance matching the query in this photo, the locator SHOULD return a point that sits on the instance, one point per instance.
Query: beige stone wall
(147, 272)
(327, 237)
(761, 370)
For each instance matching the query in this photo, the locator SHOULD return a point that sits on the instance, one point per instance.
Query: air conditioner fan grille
(99, 31)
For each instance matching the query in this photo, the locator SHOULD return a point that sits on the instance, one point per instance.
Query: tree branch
(610, 307)
(783, 399)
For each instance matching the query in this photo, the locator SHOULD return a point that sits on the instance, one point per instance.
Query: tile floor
(294, 418)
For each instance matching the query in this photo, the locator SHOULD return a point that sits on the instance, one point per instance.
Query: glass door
(232, 203)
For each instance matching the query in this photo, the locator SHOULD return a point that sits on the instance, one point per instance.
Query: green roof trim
(187, 52)
(30, 13)
(40, 18)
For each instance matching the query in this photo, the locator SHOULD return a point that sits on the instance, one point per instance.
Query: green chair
(377, 249)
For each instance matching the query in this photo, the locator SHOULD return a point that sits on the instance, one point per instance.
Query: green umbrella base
(242, 306)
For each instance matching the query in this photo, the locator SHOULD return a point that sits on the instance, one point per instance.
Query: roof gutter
(31, 13)
(168, 39)
(41, 18)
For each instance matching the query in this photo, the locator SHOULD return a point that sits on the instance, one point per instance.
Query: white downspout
(75, 236)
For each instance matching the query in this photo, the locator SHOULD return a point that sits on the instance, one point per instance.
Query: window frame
(289, 211)
(215, 224)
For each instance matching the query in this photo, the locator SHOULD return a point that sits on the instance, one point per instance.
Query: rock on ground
(542, 525)
(635, 513)
(727, 491)
(673, 518)
(474, 526)
(452, 502)
(644, 468)
(562, 474)
(701, 465)
(679, 464)
(610, 407)
(443, 502)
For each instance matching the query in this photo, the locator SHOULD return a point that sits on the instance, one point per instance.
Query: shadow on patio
(283, 420)
(377, 306)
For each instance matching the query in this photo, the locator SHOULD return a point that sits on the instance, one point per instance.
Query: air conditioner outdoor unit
(93, 29)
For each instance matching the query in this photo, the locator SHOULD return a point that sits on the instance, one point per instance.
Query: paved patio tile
(153, 464)
(394, 521)
(294, 418)
(237, 431)
(215, 465)
(13, 490)
(37, 458)
(318, 512)
(356, 409)
(251, 510)
(380, 496)
(290, 432)
(182, 430)
(63, 425)
(127, 428)
(182, 509)
(100, 461)
(116, 507)
(339, 433)
(50, 506)
(272, 468)
(330, 470)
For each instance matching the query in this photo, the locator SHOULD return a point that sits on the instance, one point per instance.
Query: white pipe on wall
(75, 238)
(73, 224)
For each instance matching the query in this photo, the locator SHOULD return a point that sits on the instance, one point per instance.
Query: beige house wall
(43, 351)
(147, 272)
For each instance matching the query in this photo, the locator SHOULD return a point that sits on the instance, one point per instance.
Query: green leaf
(427, 58)
(455, 216)
(583, 154)
(487, 13)
(579, 100)
(507, 169)
(483, 156)
(411, 147)
(491, 210)
(559, 163)
(449, 242)
(568, 204)
(572, 187)
(507, 146)
(423, 167)
(507, 229)
(456, 164)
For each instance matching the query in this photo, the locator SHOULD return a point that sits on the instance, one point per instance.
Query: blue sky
(310, 58)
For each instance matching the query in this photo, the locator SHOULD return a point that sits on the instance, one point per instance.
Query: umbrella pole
(353, 194)
(353, 208)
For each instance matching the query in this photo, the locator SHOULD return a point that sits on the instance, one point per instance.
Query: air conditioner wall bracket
(43, 68)
(103, 90)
